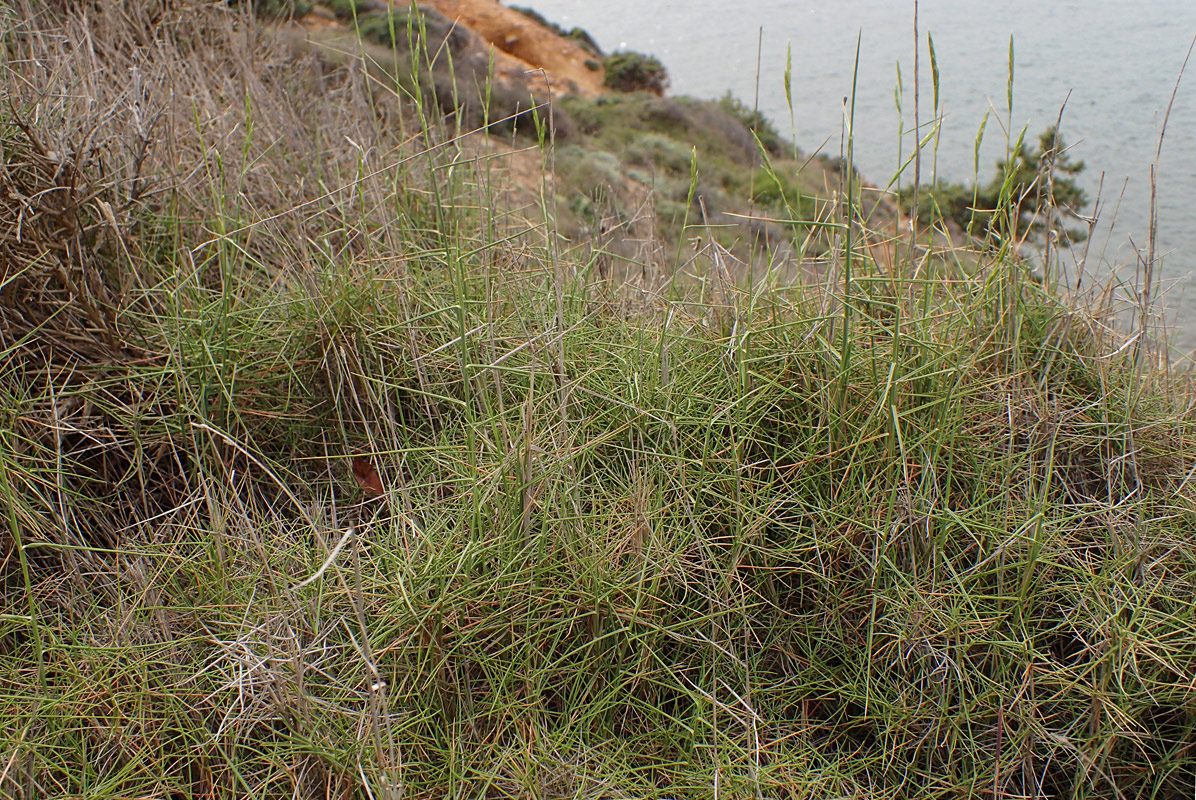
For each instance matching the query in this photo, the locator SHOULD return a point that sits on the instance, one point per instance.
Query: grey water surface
(1110, 65)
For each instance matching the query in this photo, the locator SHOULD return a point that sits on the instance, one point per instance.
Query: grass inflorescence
(675, 530)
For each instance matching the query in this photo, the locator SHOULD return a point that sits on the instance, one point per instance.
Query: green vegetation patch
(739, 170)
(1034, 190)
(628, 71)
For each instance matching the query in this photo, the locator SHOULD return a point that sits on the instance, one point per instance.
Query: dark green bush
(1031, 185)
(351, 9)
(278, 8)
(629, 71)
(781, 194)
(377, 28)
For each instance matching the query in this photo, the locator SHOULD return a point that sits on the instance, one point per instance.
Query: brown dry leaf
(367, 477)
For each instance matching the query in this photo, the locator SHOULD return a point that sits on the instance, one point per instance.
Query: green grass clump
(666, 531)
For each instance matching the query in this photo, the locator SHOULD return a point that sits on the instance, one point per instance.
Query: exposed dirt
(523, 45)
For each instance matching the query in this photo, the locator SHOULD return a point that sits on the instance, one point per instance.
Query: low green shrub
(660, 151)
(753, 120)
(351, 9)
(1033, 188)
(629, 71)
(279, 9)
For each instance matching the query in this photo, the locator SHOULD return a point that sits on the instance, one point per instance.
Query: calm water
(1118, 60)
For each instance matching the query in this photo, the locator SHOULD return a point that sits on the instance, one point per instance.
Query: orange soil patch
(524, 45)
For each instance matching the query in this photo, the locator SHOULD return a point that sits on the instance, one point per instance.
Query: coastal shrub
(660, 151)
(589, 167)
(1035, 189)
(400, 29)
(953, 202)
(628, 71)
(428, 31)
(735, 140)
(753, 120)
(585, 113)
(781, 193)
(351, 9)
(623, 115)
(385, 30)
(665, 115)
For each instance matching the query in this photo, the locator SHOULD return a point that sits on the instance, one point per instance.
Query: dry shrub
(142, 143)
(62, 286)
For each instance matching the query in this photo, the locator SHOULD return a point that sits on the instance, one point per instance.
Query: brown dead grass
(126, 177)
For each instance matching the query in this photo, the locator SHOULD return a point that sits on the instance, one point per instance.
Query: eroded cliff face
(524, 54)
(525, 46)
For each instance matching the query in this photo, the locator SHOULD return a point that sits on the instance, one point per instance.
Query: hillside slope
(330, 467)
